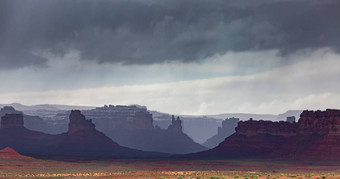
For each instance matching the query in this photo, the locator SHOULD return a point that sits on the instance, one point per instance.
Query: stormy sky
(176, 56)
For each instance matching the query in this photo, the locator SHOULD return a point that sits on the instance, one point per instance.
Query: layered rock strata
(315, 136)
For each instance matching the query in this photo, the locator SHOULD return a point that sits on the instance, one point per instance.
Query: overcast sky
(176, 56)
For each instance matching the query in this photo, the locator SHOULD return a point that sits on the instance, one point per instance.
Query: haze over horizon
(180, 56)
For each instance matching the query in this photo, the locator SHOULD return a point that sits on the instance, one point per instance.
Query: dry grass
(132, 168)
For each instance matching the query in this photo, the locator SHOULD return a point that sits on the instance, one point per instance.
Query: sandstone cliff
(315, 136)
(318, 136)
(320, 122)
(251, 128)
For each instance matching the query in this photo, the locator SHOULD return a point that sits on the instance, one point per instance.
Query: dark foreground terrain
(16, 165)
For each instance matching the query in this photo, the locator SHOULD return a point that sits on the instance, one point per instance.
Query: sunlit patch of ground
(133, 168)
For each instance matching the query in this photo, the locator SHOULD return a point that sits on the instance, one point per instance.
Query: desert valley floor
(14, 165)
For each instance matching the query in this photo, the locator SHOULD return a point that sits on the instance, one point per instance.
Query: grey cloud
(146, 31)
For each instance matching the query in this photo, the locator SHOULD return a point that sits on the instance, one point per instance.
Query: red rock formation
(320, 122)
(326, 147)
(316, 135)
(78, 123)
(254, 138)
(9, 153)
(12, 121)
(310, 122)
(251, 128)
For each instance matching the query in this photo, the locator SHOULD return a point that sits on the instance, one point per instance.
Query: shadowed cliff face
(310, 122)
(31, 122)
(13, 134)
(82, 139)
(132, 126)
(129, 126)
(176, 125)
(11, 118)
(10, 121)
(316, 135)
(79, 124)
(171, 140)
(324, 129)
(251, 128)
(227, 129)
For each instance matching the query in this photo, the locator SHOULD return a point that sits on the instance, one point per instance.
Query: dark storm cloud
(146, 31)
